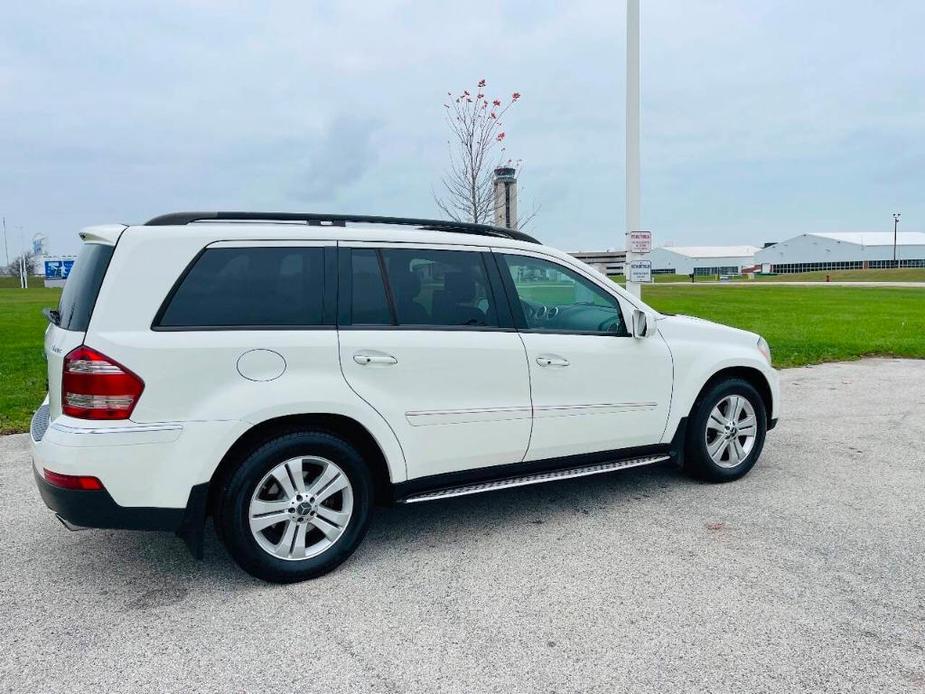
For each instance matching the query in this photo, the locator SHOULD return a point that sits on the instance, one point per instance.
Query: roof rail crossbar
(340, 220)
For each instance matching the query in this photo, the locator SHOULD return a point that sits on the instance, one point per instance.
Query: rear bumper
(97, 509)
(141, 465)
(154, 476)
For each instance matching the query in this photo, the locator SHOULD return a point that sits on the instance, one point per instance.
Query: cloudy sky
(760, 120)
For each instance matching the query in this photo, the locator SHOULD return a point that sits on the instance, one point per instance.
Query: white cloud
(759, 119)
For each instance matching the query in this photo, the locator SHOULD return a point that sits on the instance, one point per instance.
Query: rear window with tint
(249, 287)
(83, 286)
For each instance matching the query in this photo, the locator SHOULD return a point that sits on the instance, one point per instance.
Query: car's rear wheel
(726, 431)
(296, 507)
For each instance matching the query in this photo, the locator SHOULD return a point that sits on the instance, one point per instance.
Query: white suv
(284, 372)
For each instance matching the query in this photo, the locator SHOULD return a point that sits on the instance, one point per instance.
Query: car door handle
(551, 360)
(366, 358)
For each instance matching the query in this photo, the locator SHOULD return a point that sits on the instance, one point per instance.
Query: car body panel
(197, 402)
(456, 399)
(614, 392)
(701, 349)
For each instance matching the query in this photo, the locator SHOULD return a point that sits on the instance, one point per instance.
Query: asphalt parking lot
(809, 574)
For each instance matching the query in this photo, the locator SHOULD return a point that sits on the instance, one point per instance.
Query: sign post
(632, 134)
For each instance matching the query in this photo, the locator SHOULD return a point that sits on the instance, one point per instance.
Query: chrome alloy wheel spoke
(717, 420)
(717, 447)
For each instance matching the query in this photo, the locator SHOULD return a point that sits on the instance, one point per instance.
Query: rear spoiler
(106, 234)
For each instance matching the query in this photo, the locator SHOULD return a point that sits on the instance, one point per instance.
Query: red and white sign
(640, 241)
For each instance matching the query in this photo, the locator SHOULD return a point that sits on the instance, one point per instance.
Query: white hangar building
(702, 260)
(610, 262)
(843, 251)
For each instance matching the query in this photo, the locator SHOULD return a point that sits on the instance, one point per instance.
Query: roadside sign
(58, 268)
(640, 241)
(640, 271)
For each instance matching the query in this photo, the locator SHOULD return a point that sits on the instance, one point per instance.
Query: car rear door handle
(367, 357)
(551, 360)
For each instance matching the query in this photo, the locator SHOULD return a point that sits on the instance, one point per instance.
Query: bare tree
(15, 266)
(476, 147)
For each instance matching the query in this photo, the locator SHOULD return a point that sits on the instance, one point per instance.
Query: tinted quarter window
(369, 302)
(555, 299)
(440, 288)
(83, 286)
(250, 287)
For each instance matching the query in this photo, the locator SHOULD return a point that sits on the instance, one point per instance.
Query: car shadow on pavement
(428, 524)
(163, 564)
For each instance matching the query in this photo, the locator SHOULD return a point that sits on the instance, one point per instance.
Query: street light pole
(632, 135)
(896, 216)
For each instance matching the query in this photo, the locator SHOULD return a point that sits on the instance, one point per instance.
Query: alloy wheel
(300, 508)
(731, 431)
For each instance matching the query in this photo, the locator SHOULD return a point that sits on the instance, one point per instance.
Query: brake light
(95, 387)
(81, 482)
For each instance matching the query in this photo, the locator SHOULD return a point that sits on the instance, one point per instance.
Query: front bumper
(97, 509)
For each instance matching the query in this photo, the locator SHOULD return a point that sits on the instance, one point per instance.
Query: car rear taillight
(95, 387)
(82, 482)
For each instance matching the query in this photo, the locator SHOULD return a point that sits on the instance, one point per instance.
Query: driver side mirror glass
(640, 323)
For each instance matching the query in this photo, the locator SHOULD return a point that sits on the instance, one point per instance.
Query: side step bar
(537, 478)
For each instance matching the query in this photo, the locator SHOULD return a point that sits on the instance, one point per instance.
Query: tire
(716, 448)
(314, 533)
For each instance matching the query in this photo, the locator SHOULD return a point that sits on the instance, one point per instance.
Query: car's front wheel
(296, 507)
(726, 431)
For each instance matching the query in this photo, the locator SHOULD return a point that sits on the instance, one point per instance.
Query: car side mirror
(640, 323)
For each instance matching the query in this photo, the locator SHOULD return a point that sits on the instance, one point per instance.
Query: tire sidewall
(700, 462)
(236, 532)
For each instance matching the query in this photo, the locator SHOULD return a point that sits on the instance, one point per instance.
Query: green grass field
(22, 363)
(906, 274)
(807, 325)
(804, 325)
(7, 282)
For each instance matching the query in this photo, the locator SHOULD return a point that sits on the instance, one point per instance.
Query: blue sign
(58, 269)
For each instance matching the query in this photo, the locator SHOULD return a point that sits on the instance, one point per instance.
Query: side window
(440, 288)
(555, 299)
(369, 302)
(249, 287)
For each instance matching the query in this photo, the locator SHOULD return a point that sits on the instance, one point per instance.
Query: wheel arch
(340, 425)
(748, 374)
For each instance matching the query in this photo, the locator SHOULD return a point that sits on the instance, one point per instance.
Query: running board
(536, 478)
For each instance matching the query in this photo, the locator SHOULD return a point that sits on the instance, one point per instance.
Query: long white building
(842, 251)
(804, 253)
(610, 262)
(702, 260)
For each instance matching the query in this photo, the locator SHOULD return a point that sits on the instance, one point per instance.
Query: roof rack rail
(339, 220)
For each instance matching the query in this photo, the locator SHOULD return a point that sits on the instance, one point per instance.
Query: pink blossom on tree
(476, 136)
(476, 147)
